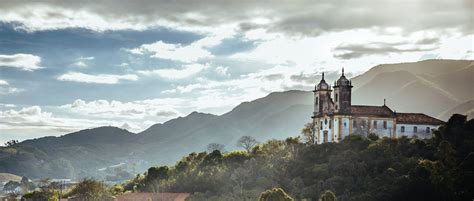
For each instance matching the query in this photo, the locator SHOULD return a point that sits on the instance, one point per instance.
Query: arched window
(428, 129)
(345, 124)
(402, 129)
(415, 129)
(330, 121)
(321, 126)
(336, 107)
(317, 100)
(384, 124)
(325, 121)
(336, 97)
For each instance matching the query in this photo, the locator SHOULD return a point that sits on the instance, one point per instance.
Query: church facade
(335, 118)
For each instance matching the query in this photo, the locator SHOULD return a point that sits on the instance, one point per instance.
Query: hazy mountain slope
(466, 108)
(430, 68)
(79, 153)
(403, 90)
(195, 120)
(445, 83)
(249, 118)
(5, 177)
(287, 123)
(458, 82)
(385, 85)
(413, 97)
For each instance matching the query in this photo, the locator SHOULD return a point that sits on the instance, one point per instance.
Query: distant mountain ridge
(445, 84)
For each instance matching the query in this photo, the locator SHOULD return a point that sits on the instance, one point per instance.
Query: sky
(72, 65)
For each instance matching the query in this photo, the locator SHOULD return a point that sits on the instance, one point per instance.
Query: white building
(334, 116)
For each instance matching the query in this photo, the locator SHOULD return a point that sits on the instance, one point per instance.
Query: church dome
(343, 81)
(322, 84)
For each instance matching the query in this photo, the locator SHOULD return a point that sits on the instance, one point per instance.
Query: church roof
(152, 196)
(342, 81)
(379, 111)
(417, 118)
(322, 85)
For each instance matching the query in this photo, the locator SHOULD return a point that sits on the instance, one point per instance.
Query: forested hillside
(441, 168)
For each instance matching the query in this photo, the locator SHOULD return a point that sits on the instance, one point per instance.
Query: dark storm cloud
(301, 17)
(351, 51)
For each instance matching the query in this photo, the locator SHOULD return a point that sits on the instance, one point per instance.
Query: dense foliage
(358, 168)
(275, 194)
(90, 190)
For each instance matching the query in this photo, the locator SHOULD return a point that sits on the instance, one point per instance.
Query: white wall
(380, 130)
(325, 128)
(409, 130)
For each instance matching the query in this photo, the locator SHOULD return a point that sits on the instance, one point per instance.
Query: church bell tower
(322, 98)
(342, 95)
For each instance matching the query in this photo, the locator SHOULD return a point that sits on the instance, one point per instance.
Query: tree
(40, 196)
(240, 176)
(215, 146)
(45, 184)
(275, 194)
(91, 190)
(327, 196)
(26, 185)
(153, 177)
(247, 142)
(12, 196)
(11, 186)
(308, 133)
(373, 136)
(11, 143)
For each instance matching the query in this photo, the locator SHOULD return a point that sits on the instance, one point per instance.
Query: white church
(334, 116)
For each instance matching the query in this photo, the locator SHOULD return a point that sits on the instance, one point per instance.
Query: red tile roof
(379, 111)
(152, 197)
(417, 118)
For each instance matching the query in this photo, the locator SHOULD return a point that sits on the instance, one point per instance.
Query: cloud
(315, 77)
(86, 58)
(351, 51)
(150, 108)
(273, 77)
(26, 62)
(5, 88)
(79, 64)
(9, 90)
(300, 17)
(171, 73)
(123, 64)
(34, 118)
(221, 70)
(184, 53)
(129, 127)
(428, 41)
(281, 50)
(175, 52)
(7, 105)
(82, 62)
(97, 79)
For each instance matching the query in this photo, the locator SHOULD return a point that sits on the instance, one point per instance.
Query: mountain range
(436, 87)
